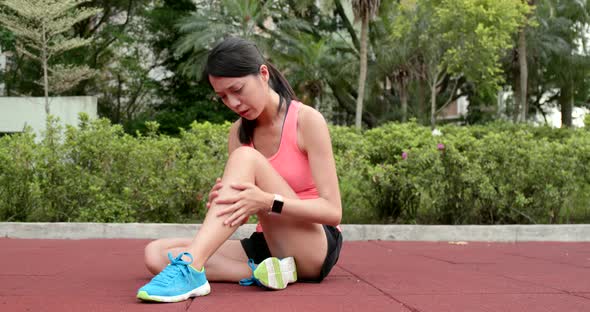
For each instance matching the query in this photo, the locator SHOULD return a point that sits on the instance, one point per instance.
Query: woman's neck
(270, 114)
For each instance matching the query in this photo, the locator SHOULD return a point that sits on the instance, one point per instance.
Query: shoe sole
(202, 290)
(276, 274)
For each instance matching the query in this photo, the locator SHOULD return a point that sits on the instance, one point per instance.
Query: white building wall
(18, 112)
(462, 106)
(552, 112)
(554, 117)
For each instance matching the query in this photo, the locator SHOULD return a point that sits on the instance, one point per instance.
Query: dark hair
(236, 57)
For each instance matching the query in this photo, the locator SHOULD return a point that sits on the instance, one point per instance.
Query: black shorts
(257, 249)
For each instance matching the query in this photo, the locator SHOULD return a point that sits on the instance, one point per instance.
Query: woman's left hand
(249, 201)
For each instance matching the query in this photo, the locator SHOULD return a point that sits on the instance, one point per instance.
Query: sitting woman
(280, 168)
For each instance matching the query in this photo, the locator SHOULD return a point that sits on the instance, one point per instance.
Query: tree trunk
(44, 64)
(566, 100)
(422, 111)
(403, 96)
(363, 71)
(516, 96)
(400, 85)
(523, 69)
(340, 10)
(433, 104)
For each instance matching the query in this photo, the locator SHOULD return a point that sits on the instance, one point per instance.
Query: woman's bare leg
(285, 236)
(227, 264)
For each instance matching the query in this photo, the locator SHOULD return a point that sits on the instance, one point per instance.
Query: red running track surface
(104, 275)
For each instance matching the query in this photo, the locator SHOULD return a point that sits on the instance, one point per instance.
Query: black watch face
(277, 206)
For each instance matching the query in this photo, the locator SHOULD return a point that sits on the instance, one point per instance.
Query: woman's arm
(314, 138)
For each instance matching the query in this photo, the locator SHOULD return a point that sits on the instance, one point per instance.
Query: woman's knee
(152, 256)
(245, 153)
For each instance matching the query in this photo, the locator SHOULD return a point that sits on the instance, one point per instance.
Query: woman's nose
(233, 101)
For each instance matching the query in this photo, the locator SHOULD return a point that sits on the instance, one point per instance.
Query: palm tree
(521, 98)
(397, 51)
(574, 64)
(558, 55)
(364, 10)
(214, 20)
(306, 58)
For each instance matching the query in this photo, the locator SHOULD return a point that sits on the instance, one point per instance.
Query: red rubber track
(104, 275)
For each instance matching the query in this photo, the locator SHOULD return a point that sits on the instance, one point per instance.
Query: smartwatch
(277, 204)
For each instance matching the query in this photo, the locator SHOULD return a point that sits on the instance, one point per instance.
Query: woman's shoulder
(309, 117)
(311, 127)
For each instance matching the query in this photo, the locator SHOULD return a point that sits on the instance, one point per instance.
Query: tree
(462, 40)
(521, 99)
(364, 10)
(398, 50)
(181, 98)
(558, 56)
(41, 28)
(569, 67)
(303, 38)
(212, 21)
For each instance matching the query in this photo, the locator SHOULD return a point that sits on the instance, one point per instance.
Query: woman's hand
(249, 201)
(214, 192)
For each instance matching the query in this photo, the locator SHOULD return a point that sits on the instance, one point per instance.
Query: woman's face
(246, 96)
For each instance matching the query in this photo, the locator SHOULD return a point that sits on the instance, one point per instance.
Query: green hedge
(494, 174)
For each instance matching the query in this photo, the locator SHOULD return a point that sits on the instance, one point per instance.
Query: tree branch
(452, 96)
(347, 24)
(103, 19)
(350, 105)
(449, 101)
(113, 39)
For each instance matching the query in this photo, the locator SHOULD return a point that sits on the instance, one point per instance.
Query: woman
(280, 168)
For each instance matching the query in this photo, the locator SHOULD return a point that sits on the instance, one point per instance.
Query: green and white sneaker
(273, 273)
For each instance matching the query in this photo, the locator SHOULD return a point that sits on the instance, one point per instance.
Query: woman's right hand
(214, 192)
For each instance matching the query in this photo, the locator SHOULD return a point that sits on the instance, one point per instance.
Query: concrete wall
(16, 112)
(397, 232)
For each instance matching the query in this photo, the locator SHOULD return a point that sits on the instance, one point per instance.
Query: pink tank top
(290, 162)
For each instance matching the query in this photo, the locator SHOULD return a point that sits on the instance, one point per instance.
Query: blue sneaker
(273, 273)
(177, 282)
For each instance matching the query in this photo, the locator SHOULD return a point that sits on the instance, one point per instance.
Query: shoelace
(252, 280)
(171, 271)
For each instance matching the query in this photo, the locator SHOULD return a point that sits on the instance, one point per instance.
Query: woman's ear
(264, 72)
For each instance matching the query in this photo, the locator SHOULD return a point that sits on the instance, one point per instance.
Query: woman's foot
(177, 282)
(273, 273)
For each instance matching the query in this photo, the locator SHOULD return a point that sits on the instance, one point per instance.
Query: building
(17, 113)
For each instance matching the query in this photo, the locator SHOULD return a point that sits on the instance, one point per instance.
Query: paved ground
(103, 275)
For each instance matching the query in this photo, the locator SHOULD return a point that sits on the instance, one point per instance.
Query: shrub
(398, 173)
(352, 166)
(98, 173)
(499, 173)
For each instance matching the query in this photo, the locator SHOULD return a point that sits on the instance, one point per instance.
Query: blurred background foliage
(499, 173)
(422, 55)
(162, 137)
